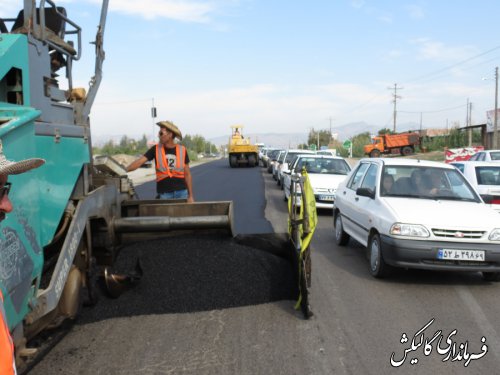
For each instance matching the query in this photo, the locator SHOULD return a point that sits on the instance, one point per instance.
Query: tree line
(195, 144)
(454, 139)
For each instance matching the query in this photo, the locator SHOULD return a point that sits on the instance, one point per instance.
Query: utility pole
(395, 97)
(468, 122)
(495, 128)
(153, 115)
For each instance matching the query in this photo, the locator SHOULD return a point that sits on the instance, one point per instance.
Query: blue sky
(286, 66)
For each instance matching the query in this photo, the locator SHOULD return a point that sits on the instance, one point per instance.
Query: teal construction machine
(72, 214)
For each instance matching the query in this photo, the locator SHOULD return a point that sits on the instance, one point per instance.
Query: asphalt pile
(198, 273)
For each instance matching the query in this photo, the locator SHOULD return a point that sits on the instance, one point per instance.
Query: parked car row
(420, 214)
(325, 172)
(485, 178)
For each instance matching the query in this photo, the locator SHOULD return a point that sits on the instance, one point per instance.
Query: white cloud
(357, 3)
(386, 18)
(187, 11)
(9, 8)
(434, 50)
(415, 11)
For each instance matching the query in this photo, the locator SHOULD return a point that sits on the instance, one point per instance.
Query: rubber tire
(378, 267)
(375, 153)
(491, 276)
(341, 237)
(233, 161)
(251, 161)
(407, 150)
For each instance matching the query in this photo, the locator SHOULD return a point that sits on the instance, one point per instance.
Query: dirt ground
(124, 159)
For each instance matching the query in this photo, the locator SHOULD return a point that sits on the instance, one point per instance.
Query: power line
(454, 65)
(123, 102)
(436, 111)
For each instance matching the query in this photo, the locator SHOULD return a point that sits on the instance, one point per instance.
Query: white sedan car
(325, 173)
(485, 177)
(285, 165)
(417, 214)
(487, 155)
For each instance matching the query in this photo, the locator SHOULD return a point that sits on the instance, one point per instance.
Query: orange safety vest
(7, 364)
(163, 170)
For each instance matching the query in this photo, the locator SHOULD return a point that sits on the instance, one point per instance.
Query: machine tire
(251, 161)
(341, 237)
(378, 267)
(491, 276)
(233, 161)
(374, 153)
(407, 150)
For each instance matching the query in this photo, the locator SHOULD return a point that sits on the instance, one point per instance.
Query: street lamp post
(495, 124)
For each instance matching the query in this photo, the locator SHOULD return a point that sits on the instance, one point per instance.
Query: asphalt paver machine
(73, 214)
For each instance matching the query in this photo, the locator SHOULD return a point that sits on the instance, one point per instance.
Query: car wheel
(378, 267)
(491, 276)
(341, 237)
(375, 154)
(407, 150)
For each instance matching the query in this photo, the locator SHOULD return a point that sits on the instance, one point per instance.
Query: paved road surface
(358, 323)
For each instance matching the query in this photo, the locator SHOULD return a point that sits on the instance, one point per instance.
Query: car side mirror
(365, 192)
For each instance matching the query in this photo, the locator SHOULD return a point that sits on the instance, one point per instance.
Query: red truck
(403, 144)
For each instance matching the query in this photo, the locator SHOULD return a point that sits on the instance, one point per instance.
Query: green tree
(385, 131)
(324, 138)
(142, 144)
(358, 142)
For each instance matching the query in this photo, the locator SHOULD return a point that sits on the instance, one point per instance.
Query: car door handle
(356, 199)
(344, 192)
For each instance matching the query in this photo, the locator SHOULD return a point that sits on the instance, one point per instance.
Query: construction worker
(173, 177)
(7, 167)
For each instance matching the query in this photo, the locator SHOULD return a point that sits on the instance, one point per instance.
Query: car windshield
(290, 156)
(273, 154)
(488, 175)
(323, 165)
(425, 183)
(495, 155)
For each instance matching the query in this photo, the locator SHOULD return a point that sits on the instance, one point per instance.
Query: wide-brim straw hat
(8, 167)
(170, 126)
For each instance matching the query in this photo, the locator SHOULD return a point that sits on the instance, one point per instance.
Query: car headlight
(495, 235)
(409, 230)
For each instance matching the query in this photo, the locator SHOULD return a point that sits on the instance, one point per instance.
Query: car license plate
(452, 254)
(326, 198)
